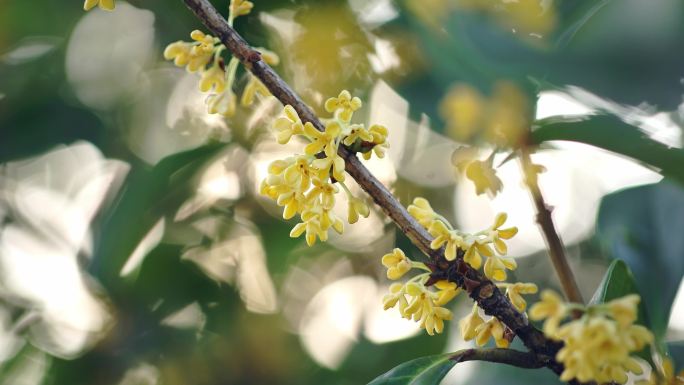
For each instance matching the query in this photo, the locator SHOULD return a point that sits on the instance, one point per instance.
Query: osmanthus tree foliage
(603, 340)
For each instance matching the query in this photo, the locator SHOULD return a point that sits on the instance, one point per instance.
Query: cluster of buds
(598, 345)
(107, 5)
(307, 184)
(204, 55)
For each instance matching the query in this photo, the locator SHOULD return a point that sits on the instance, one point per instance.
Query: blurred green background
(135, 249)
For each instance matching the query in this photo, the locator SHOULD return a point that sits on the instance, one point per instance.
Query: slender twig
(480, 289)
(501, 356)
(553, 241)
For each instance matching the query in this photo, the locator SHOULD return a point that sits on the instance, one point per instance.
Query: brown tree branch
(501, 356)
(480, 289)
(553, 241)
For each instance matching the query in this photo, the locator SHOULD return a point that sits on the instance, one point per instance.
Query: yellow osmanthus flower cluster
(307, 184)
(107, 5)
(413, 294)
(598, 345)
(488, 243)
(416, 301)
(502, 121)
(204, 55)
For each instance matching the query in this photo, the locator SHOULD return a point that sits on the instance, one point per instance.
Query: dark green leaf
(641, 226)
(586, 10)
(617, 282)
(612, 134)
(421, 371)
(676, 350)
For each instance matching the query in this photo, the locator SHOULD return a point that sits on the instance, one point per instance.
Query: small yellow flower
(396, 295)
(214, 77)
(296, 171)
(637, 337)
(483, 175)
(514, 292)
(293, 203)
(433, 320)
(397, 264)
(206, 42)
(355, 208)
(499, 234)
(193, 56)
(107, 5)
(422, 211)
(443, 235)
(240, 7)
(223, 103)
(323, 192)
(422, 309)
(179, 52)
(491, 329)
(288, 125)
(322, 141)
(551, 308)
(312, 229)
(379, 134)
(447, 292)
(254, 87)
(470, 323)
(624, 309)
(495, 267)
(475, 249)
(357, 131)
(331, 165)
(344, 104)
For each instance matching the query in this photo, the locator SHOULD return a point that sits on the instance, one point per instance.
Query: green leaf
(640, 227)
(612, 134)
(428, 370)
(676, 350)
(619, 282)
(578, 19)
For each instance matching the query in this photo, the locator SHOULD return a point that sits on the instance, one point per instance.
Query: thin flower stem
(230, 72)
(444, 220)
(553, 241)
(420, 265)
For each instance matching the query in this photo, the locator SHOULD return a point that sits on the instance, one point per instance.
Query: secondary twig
(553, 241)
(502, 356)
(482, 290)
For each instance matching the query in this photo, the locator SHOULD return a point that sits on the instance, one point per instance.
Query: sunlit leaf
(612, 134)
